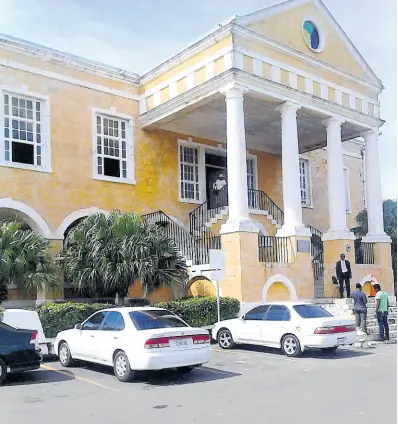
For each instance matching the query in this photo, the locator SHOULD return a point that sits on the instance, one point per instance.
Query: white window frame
(202, 149)
(45, 143)
(307, 161)
(130, 151)
(347, 190)
(201, 171)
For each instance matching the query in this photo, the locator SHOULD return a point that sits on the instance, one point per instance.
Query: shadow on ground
(168, 377)
(340, 353)
(37, 377)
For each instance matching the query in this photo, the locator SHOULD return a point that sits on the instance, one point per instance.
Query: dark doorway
(216, 180)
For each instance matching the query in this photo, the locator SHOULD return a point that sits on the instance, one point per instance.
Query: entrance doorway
(216, 180)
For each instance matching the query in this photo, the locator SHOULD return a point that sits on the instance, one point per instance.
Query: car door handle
(92, 336)
(115, 337)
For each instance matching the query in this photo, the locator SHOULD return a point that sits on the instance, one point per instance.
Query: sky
(137, 35)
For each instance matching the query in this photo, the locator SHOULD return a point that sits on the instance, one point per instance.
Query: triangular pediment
(307, 26)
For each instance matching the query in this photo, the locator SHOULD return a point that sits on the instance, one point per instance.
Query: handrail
(317, 258)
(194, 249)
(259, 200)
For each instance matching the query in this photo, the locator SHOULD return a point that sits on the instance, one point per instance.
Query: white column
(336, 184)
(239, 220)
(292, 209)
(374, 200)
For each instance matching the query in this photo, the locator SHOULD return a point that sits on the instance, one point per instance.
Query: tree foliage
(25, 260)
(390, 227)
(108, 253)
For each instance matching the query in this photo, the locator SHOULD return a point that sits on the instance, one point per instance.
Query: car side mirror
(243, 317)
(78, 326)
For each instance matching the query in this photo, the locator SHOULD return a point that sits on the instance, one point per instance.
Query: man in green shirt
(382, 313)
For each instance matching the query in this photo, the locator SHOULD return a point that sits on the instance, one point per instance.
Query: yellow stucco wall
(278, 292)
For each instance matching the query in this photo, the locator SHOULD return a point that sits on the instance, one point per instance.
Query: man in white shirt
(343, 273)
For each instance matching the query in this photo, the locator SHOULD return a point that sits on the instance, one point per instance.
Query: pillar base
(246, 225)
(382, 237)
(334, 235)
(287, 231)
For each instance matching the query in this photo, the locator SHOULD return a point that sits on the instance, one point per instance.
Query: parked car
(133, 339)
(291, 326)
(19, 350)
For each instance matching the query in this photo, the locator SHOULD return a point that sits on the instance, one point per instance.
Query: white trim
(324, 92)
(190, 144)
(338, 97)
(276, 73)
(228, 60)
(66, 59)
(67, 79)
(307, 162)
(204, 42)
(348, 188)
(292, 80)
(368, 278)
(309, 86)
(308, 76)
(282, 279)
(130, 148)
(75, 215)
(206, 275)
(261, 14)
(45, 123)
(258, 68)
(191, 70)
(152, 119)
(210, 70)
(34, 219)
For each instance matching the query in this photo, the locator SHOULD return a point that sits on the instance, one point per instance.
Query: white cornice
(67, 79)
(65, 59)
(251, 35)
(193, 49)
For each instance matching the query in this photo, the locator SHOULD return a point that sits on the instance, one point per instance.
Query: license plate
(182, 343)
(341, 341)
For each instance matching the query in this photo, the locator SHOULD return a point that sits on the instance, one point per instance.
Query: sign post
(217, 263)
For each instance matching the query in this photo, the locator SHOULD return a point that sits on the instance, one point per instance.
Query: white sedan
(133, 339)
(291, 326)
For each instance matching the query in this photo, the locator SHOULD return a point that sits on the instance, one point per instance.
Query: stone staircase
(344, 308)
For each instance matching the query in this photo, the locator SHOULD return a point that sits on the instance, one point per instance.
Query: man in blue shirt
(360, 309)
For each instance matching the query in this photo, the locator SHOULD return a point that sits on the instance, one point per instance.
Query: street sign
(217, 259)
(217, 274)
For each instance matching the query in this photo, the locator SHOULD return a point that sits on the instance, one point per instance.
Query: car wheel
(185, 369)
(225, 339)
(3, 371)
(64, 355)
(329, 349)
(121, 367)
(291, 346)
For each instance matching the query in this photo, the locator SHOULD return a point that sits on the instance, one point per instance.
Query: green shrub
(57, 317)
(1, 313)
(202, 311)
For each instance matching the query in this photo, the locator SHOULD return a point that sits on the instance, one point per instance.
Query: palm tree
(390, 227)
(25, 260)
(108, 253)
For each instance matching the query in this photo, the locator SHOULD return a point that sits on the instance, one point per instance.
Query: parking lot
(245, 385)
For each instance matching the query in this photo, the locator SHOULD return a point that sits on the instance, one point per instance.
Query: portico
(247, 101)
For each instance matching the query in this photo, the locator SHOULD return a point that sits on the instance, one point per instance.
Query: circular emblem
(348, 247)
(312, 36)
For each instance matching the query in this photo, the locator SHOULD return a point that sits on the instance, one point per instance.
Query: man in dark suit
(343, 273)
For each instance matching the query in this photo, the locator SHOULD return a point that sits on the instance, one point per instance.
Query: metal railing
(180, 236)
(200, 216)
(364, 252)
(193, 248)
(317, 256)
(259, 200)
(274, 250)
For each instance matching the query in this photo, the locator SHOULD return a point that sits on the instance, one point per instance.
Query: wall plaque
(303, 245)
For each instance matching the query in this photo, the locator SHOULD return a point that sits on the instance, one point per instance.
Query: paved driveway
(248, 385)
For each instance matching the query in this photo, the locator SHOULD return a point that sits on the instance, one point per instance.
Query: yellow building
(255, 140)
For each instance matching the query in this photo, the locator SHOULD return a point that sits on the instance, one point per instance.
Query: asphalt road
(249, 385)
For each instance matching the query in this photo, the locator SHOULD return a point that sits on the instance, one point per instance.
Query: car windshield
(311, 311)
(156, 319)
